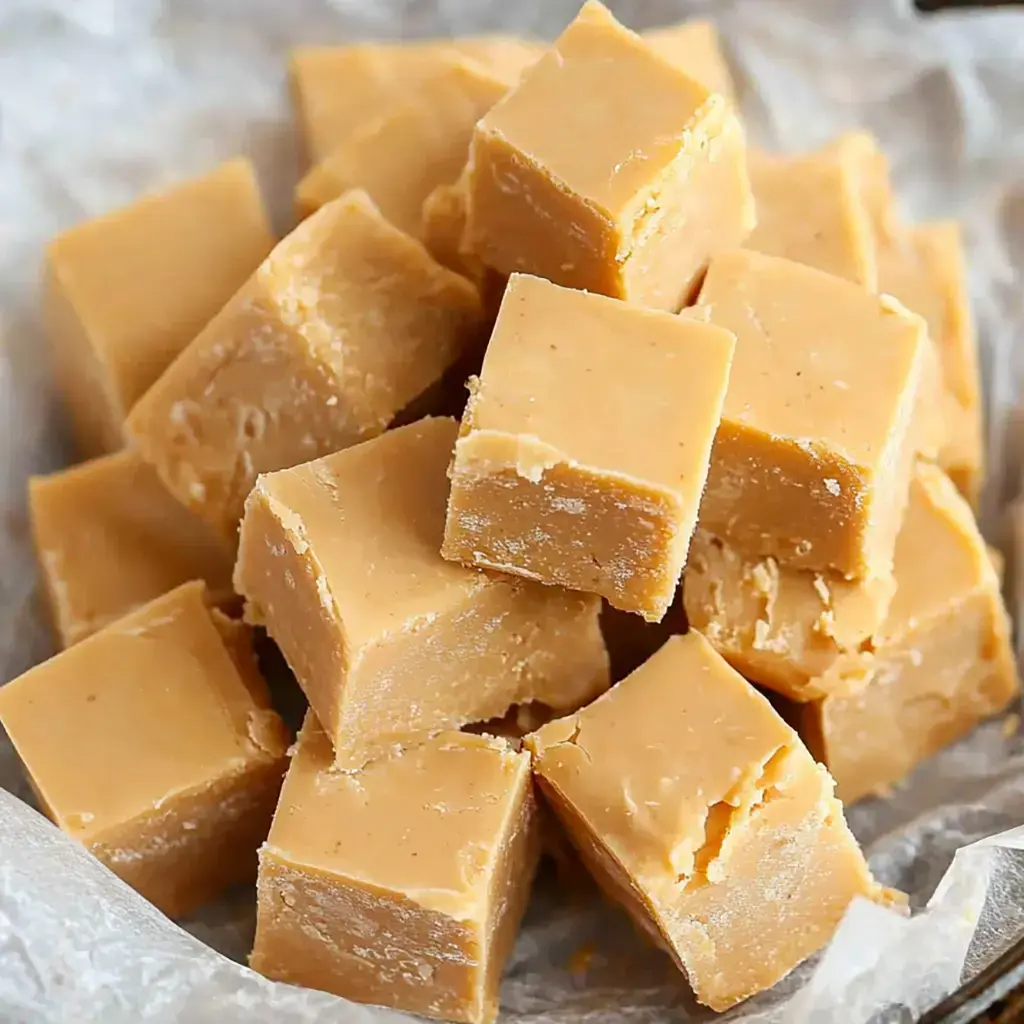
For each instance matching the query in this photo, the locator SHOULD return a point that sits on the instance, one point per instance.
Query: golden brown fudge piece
(336, 89)
(623, 184)
(811, 209)
(391, 643)
(942, 658)
(560, 474)
(693, 47)
(923, 266)
(125, 293)
(153, 743)
(813, 458)
(401, 884)
(798, 632)
(109, 538)
(401, 156)
(346, 322)
(697, 808)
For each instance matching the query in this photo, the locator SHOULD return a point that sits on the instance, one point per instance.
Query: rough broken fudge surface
(812, 460)
(339, 558)
(109, 538)
(942, 659)
(126, 292)
(584, 447)
(621, 183)
(345, 323)
(699, 809)
(403, 883)
(153, 743)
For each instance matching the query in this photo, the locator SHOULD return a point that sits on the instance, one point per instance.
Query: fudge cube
(345, 323)
(585, 443)
(126, 292)
(801, 633)
(403, 883)
(622, 183)
(336, 89)
(810, 209)
(693, 47)
(942, 659)
(110, 538)
(339, 559)
(697, 808)
(812, 460)
(401, 156)
(153, 743)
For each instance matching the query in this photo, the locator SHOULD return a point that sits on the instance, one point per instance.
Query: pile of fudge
(695, 562)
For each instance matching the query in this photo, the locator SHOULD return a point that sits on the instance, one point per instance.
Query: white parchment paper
(103, 99)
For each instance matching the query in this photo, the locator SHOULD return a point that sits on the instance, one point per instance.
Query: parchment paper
(102, 99)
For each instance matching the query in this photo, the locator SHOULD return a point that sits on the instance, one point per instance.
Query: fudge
(942, 658)
(126, 292)
(801, 633)
(693, 47)
(560, 474)
(110, 538)
(623, 184)
(813, 458)
(811, 209)
(401, 156)
(698, 809)
(153, 743)
(345, 323)
(401, 884)
(336, 89)
(339, 560)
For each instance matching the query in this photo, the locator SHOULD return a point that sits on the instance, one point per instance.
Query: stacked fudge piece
(688, 359)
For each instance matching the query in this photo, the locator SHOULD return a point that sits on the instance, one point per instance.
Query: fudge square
(608, 169)
(585, 443)
(126, 292)
(339, 559)
(153, 743)
(812, 461)
(110, 538)
(697, 808)
(403, 883)
(345, 323)
(943, 658)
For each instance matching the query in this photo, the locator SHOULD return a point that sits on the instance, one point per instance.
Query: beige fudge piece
(339, 559)
(126, 292)
(924, 268)
(811, 209)
(813, 458)
(697, 808)
(345, 323)
(560, 474)
(795, 631)
(693, 47)
(623, 184)
(401, 156)
(153, 743)
(109, 538)
(336, 89)
(401, 884)
(942, 658)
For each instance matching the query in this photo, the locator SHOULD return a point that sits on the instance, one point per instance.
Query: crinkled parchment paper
(101, 99)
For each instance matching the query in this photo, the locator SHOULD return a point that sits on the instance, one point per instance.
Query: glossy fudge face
(402, 883)
(153, 743)
(346, 323)
(695, 806)
(340, 560)
(626, 159)
(560, 474)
